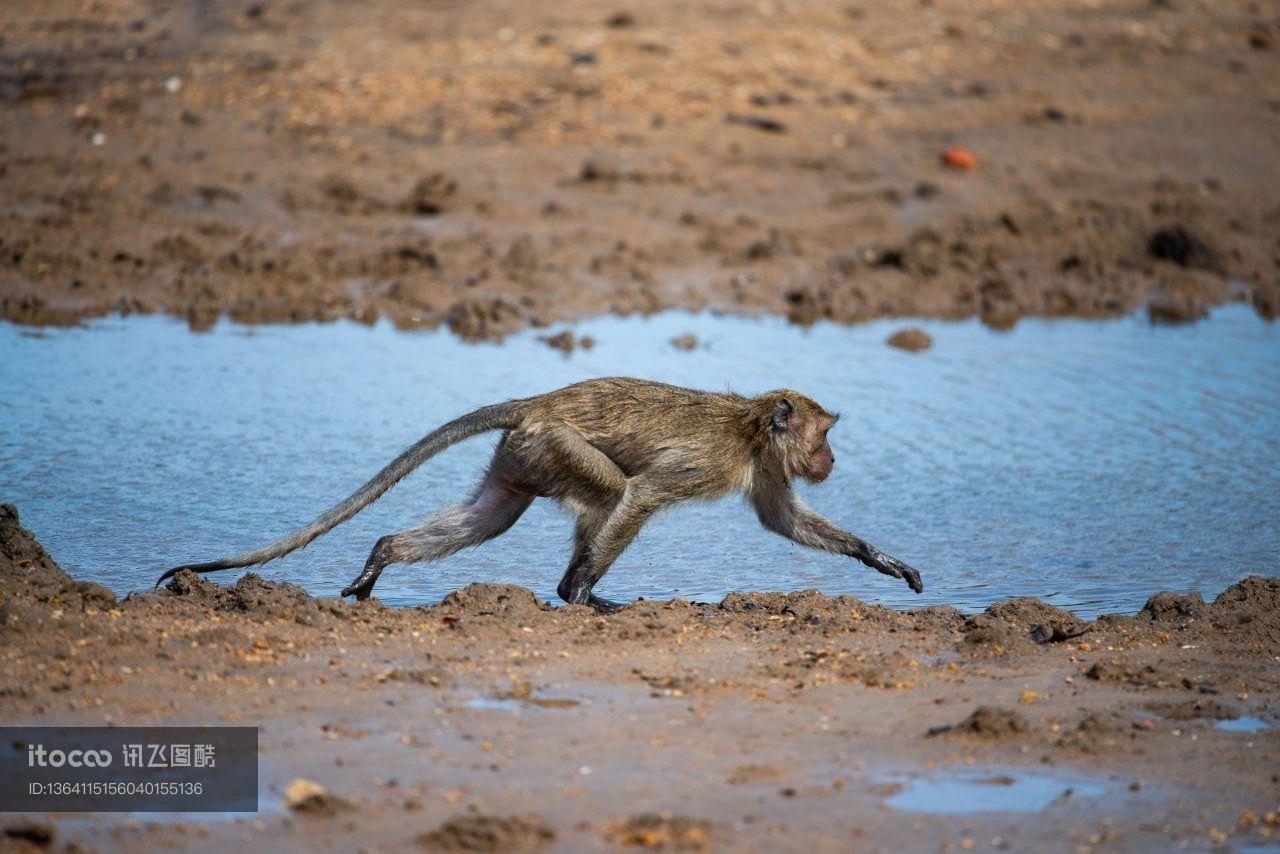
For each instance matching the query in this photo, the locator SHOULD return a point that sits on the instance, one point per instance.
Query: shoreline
(273, 168)
(809, 719)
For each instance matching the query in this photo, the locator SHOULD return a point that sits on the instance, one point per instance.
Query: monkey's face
(821, 458)
(799, 427)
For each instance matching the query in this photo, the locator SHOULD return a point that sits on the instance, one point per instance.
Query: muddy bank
(492, 721)
(488, 169)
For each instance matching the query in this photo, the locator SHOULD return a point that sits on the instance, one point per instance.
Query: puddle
(1244, 724)
(132, 445)
(518, 702)
(970, 791)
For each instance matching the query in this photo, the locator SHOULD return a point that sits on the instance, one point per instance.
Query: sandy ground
(491, 166)
(492, 721)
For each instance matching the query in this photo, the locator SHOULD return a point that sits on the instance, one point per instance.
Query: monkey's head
(796, 427)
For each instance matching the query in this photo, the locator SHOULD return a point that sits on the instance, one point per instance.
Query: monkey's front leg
(782, 512)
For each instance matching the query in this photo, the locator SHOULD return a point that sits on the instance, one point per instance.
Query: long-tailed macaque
(615, 451)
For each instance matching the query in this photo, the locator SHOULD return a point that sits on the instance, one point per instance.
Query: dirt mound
(27, 572)
(807, 606)
(1019, 622)
(663, 830)
(259, 598)
(1165, 607)
(1250, 609)
(489, 833)
(482, 600)
(936, 618)
(988, 722)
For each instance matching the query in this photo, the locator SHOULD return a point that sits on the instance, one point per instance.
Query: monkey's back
(641, 424)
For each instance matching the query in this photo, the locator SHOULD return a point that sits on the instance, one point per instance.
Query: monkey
(614, 451)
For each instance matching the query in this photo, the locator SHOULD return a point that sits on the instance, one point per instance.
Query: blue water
(1090, 463)
(966, 792)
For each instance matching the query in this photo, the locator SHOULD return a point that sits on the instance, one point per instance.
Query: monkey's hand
(892, 566)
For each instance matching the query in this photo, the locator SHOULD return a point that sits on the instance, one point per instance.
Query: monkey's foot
(361, 588)
(604, 606)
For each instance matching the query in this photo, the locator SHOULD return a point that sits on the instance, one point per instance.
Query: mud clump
(566, 343)
(663, 830)
(484, 319)
(430, 196)
(1250, 609)
(489, 833)
(1137, 675)
(1176, 308)
(988, 722)
(190, 584)
(1012, 622)
(27, 572)
(1183, 248)
(912, 340)
(485, 600)
(1169, 607)
(258, 598)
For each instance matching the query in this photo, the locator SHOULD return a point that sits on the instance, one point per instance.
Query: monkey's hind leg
(575, 586)
(493, 510)
(601, 538)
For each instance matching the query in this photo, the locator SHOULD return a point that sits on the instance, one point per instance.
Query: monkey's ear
(782, 415)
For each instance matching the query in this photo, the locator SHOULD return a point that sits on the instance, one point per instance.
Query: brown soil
(492, 721)
(490, 166)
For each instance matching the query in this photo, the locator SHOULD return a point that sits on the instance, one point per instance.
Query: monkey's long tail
(498, 416)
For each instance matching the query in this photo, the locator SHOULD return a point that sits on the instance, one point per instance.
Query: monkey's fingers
(892, 566)
(912, 578)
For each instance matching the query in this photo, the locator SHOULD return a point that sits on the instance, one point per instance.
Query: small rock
(687, 341)
(988, 722)
(566, 343)
(305, 796)
(430, 195)
(762, 123)
(621, 20)
(912, 340)
(957, 157)
(1261, 40)
(1170, 308)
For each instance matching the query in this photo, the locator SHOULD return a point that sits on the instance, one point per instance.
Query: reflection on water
(1089, 463)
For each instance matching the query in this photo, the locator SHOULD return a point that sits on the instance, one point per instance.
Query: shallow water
(1090, 463)
(969, 791)
(1244, 724)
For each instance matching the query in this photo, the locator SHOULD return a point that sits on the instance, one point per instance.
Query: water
(1090, 463)
(1244, 724)
(965, 792)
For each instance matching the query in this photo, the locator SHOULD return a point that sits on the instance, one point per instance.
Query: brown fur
(614, 450)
